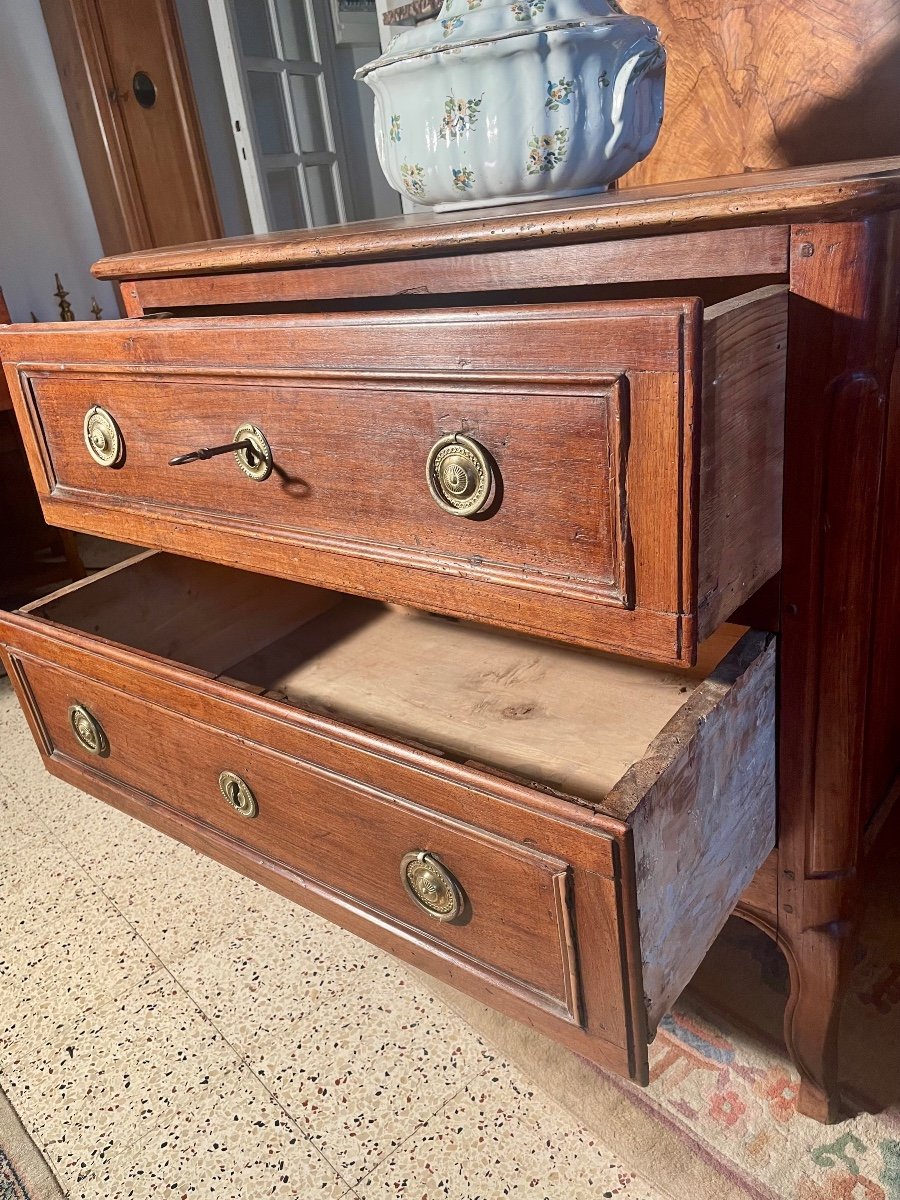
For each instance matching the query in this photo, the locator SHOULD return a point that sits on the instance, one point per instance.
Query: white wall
(370, 193)
(46, 222)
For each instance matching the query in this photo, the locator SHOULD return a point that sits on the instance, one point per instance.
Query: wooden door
(130, 101)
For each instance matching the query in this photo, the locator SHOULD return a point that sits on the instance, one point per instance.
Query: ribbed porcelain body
(497, 101)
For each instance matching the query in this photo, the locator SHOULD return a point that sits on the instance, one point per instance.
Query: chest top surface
(830, 192)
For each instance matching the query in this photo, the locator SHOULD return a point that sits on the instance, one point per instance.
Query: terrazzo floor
(170, 1028)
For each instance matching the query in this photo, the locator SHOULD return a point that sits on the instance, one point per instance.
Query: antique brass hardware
(88, 731)
(459, 475)
(238, 794)
(103, 437)
(252, 453)
(431, 885)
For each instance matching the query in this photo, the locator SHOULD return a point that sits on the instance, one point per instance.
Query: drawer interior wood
(563, 718)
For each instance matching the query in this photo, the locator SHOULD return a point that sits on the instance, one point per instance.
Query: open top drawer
(605, 473)
(559, 832)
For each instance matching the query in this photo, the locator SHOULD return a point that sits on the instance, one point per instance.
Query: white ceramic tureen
(496, 101)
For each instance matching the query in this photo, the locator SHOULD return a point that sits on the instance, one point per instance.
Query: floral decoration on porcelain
(463, 178)
(524, 10)
(546, 151)
(413, 176)
(459, 116)
(559, 93)
(575, 99)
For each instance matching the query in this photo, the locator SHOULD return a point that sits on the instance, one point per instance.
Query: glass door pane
(285, 199)
(295, 39)
(307, 104)
(267, 103)
(254, 30)
(322, 198)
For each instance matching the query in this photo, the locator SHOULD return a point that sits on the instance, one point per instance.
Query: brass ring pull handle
(103, 437)
(431, 886)
(251, 450)
(237, 793)
(89, 733)
(459, 474)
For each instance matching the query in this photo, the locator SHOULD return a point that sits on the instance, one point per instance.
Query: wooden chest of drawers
(437, 644)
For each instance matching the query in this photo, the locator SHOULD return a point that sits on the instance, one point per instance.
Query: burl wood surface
(751, 87)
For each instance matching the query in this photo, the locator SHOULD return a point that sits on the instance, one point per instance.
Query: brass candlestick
(65, 308)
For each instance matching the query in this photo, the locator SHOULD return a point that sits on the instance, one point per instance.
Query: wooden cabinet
(453, 668)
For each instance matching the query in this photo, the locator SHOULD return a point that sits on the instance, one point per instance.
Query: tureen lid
(470, 22)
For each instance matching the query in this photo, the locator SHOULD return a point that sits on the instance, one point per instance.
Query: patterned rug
(24, 1174)
(719, 1118)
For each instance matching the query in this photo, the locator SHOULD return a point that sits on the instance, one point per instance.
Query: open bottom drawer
(558, 832)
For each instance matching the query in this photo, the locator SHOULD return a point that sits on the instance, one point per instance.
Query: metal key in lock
(251, 451)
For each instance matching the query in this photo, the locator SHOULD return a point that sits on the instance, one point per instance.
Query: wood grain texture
(593, 533)
(320, 800)
(320, 824)
(762, 86)
(705, 818)
(742, 451)
(714, 254)
(377, 392)
(403, 942)
(844, 298)
(34, 556)
(882, 750)
(556, 717)
(777, 197)
(557, 525)
(197, 613)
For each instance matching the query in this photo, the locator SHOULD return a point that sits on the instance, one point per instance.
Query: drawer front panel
(350, 469)
(333, 830)
(585, 414)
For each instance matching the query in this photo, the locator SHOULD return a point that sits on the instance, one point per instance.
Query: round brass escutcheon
(431, 885)
(256, 463)
(459, 475)
(103, 437)
(238, 794)
(88, 731)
